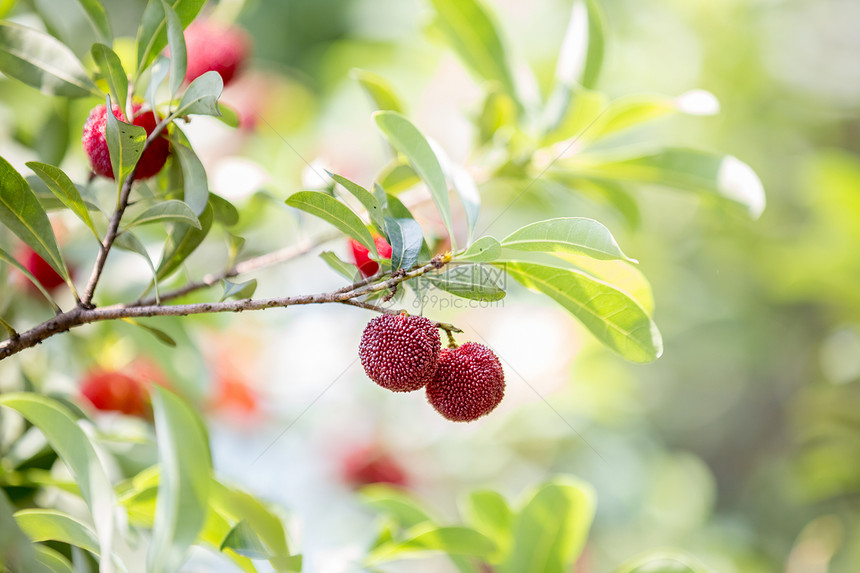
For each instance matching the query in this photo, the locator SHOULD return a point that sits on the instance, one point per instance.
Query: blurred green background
(741, 445)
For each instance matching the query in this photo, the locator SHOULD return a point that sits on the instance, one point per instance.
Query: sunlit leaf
(397, 176)
(51, 561)
(406, 511)
(484, 250)
(471, 281)
(244, 541)
(201, 97)
(379, 90)
(451, 540)
(52, 525)
(489, 513)
(113, 73)
(127, 241)
(581, 55)
(573, 112)
(573, 235)
(334, 212)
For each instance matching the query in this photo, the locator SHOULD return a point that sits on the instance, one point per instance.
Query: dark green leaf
(156, 332)
(182, 240)
(201, 97)
(471, 281)
(52, 525)
(405, 237)
(111, 69)
(152, 34)
(42, 61)
(341, 267)
(574, 235)
(125, 143)
(129, 242)
(239, 291)
(374, 209)
(21, 212)
(379, 90)
(166, 211)
(183, 486)
(484, 250)
(409, 141)
(176, 43)
(611, 315)
(334, 212)
(244, 541)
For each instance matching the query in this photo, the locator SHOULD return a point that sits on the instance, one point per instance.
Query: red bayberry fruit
(96, 146)
(215, 47)
(39, 268)
(116, 391)
(367, 465)
(469, 383)
(361, 255)
(400, 352)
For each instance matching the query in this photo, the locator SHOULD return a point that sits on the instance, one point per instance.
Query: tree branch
(81, 315)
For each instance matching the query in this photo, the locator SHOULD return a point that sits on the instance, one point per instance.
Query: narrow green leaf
(176, 43)
(405, 237)
(615, 318)
(721, 176)
(484, 250)
(52, 525)
(201, 97)
(471, 281)
(157, 75)
(21, 212)
(225, 212)
(409, 141)
(239, 291)
(42, 61)
(112, 71)
(489, 513)
(471, 32)
(451, 540)
(244, 541)
(127, 241)
(341, 267)
(581, 55)
(183, 486)
(6, 257)
(182, 240)
(156, 332)
(379, 90)
(334, 212)
(166, 211)
(466, 189)
(51, 561)
(550, 531)
(574, 235)
(125, 143)
(366, 198)
(73, 446)
(402, 507)
(152, 34)
(573, 112)
(16, 549)
(66, 191)
(98, 17)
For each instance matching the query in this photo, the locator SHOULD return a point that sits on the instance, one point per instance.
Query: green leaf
(451, 540)
(152, 34)
(573, 112)
(721, 176)
(51, 561)
(112, 71)
(550, 531)
(176, 43)
(42, 61)
(127, 241)
(6, 257)
(471, 281)
(166, 211)
(224, 211)
(98, 17)
(581, 54)
(201, 97)
(405, 237)
(157, 75)
(397, 176)
(73, 446)
(239, 291)
(341, 267)
(498, 111)
(471, 32)
(21, 212)
(366, 198)
(183, 485)
(244, 541)
(334, 212)
(632, 110)
(229, 116)
(182, 240)
(484, 250)
(16, 549)
(466, 189)
(52, 525)
(573, 235)
(615, 318)
(489, 513)
(406, 511)
(156, 332)
(379, 90)
(409, 141)
(125, 143)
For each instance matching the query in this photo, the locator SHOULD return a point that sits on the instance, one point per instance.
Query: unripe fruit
(215, 47)
(400, 352)
(116, 391)
(361, 255)
(469, 383)
(95, 144)
(36, 265)
(368, 465)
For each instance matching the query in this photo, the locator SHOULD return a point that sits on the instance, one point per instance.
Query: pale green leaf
(451, 540)
(581, 55)
(152, 34)
(127, 241)
(176, 43)
(334, 212)
(167, 211)
(244, 541)
(571, 235)
(53, 525)
(201, 97)
(484, 250)
(379, 90)
(403, 508)
(405, 237)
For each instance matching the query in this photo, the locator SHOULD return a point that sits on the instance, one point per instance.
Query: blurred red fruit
(234, 396)
(96, 147)
(116, 391)
(361, 255)
(368, 465)
(215, 47)
(44, 273)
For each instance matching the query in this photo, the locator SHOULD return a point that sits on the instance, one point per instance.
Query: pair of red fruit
(403, 353)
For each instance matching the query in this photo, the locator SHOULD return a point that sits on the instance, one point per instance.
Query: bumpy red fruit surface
(400, 352)
(96, 148)
(215, 47)
(367, 465)
(361, 255)
(115, 391)
(469, 383)
(44, 273)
